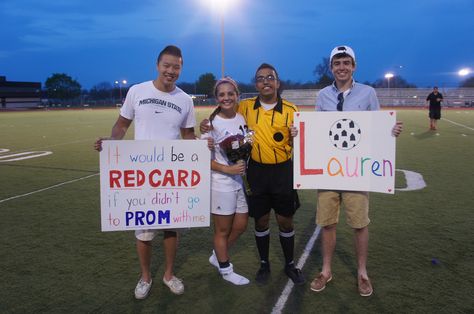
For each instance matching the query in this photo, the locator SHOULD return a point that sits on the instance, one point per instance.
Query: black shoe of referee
(294, 274)
(263, 274)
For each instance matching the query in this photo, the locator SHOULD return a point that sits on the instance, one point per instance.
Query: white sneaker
(213, 260)
(175, 284)
(229, 275)
(142, 289)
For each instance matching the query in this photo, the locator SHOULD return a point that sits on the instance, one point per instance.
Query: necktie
(340, 98)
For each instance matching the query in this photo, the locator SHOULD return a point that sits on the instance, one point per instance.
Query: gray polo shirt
(360, 97)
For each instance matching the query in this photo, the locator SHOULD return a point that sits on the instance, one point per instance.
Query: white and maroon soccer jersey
(222, 128)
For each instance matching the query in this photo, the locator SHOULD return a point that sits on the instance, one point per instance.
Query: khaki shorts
(356, 205)
(149, 234)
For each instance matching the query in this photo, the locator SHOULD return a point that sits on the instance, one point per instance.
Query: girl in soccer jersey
(228, 203)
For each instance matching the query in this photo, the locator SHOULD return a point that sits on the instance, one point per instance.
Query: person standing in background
(434, 100)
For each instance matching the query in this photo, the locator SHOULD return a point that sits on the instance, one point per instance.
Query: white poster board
(352, 151)
(154, 184)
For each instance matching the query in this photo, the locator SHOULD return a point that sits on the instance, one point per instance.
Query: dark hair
(267, 66)
(170, 50)
(342, 55)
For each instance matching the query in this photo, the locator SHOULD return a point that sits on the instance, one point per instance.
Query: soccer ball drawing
(345, 134)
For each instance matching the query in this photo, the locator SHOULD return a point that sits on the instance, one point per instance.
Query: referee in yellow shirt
(270, 169)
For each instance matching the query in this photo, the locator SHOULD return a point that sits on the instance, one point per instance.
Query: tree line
(60, 86)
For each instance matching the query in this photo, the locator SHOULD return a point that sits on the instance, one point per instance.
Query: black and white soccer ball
(345, 134)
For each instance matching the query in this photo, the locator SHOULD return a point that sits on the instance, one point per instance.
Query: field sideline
(54, 258)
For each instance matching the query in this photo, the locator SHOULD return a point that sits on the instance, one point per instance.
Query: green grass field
(55, 259)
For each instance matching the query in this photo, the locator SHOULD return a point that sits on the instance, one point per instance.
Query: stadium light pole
(388, 76)
(464, 72)
(221, 6)
(119, 83)
(222, 45)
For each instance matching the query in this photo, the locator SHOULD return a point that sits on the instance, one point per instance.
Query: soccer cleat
(294, 274)
(263, 274)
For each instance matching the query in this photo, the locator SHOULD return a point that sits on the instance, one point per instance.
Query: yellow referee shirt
(272, 139)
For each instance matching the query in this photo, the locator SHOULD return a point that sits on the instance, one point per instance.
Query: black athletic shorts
(272, 187)
(435, 113)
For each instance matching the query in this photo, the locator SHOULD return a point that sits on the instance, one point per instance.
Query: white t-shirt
(268, 106)
(157, 114)
(222, 128)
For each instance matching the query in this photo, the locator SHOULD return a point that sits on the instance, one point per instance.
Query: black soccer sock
(263, 244)
(287, 241)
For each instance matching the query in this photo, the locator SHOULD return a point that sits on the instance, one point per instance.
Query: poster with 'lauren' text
(161, 184)
(352, 151)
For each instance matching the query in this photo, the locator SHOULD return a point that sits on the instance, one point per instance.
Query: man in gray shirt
(345, 95)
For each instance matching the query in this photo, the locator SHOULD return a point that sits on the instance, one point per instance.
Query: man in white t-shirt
(161, 110)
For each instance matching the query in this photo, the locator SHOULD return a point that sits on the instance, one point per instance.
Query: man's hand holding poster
(154, 184)
(345, 151)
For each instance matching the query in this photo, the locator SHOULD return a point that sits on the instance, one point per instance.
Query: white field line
(278, 308)
(458, 124)
(413, 179)
(48, 188)
(53, 145)
(26, 155)
(25, 151)
(31, 153)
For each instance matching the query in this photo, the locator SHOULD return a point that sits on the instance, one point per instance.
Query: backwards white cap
(342, 49)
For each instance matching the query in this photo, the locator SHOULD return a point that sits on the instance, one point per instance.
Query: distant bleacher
(19, 94)
(453, 97)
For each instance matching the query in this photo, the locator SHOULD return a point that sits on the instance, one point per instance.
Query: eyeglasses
(340, 99)
(262, 78)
